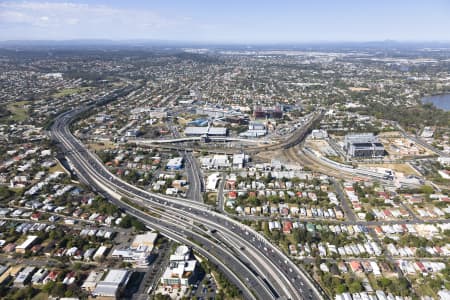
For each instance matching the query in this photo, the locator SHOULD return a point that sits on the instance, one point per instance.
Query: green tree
(355, 287)
(426, 189)
(370, 217)
(341, 288)
(126, 222)
(5, 193)
(385, 282)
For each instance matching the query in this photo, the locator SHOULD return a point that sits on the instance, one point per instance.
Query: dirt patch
(403, 168)
(101, 146)
(358, 89)
(56, 168)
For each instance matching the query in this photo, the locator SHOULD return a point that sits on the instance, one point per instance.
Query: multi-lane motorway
(195, 178)
(258, 268)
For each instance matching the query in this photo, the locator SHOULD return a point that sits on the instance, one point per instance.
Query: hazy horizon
(237, 22)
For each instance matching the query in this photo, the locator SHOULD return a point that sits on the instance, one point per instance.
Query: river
(440, 101)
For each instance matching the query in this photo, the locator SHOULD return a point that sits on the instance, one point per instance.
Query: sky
(237, 21)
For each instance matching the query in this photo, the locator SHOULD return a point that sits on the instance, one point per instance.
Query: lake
(440, 101)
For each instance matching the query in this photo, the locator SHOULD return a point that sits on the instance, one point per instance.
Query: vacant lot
(403, 168)
(67, 92)
(18, 110)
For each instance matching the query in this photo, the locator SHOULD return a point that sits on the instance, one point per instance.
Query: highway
(258, 268)
(144, 141)
(195, 178)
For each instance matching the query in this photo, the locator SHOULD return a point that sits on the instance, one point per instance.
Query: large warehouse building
(208, 131)
(113, 284)
(363, 145)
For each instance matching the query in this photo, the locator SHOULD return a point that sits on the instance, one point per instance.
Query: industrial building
(363, 145)
(111, 287)
(255, 129)
(214, 112)
(91, 281)
(319, 134)
(239, 160)
(208, 131)
(217, 161)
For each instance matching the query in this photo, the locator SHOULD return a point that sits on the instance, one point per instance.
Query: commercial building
(182, 253)
(147, 239)
(112, 286)
(217, 161)
(139, 252)
(275, 112)
(363, 145)
(175, 163)
(181, 271)
(211, 182)
(138, 257)
(91, 281)
(239, 160)
(319, 134)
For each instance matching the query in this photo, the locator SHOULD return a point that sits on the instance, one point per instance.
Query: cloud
(66, 20)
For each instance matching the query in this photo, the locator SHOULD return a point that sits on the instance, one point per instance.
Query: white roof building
(23, 276)
(91, 281)
(182, 253)
(179, 273)
(213, 131)
(211, 182)
(175, 163)
(239, 160)
(112, 284)
(147, 239)
(26, 244)
(100, 252)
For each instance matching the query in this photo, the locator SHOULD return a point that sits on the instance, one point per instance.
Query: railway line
(295, 154)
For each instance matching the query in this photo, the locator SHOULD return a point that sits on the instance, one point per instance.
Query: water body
(440, 101)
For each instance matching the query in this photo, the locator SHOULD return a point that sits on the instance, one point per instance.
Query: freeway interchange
(258, 268)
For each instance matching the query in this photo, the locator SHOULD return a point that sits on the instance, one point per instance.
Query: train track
(295, 154)
(295, 139)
